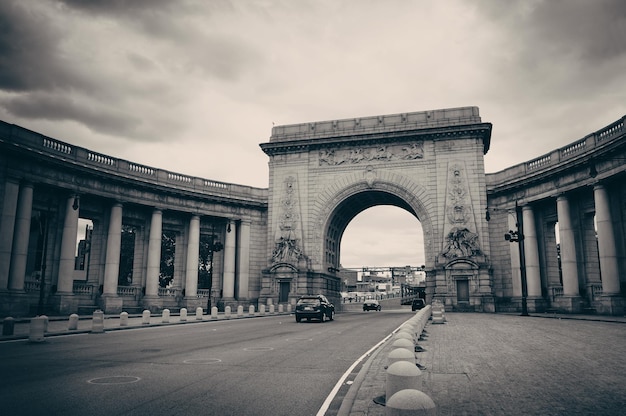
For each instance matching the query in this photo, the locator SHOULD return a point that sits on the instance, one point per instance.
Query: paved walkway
(497, 364)
(478, 364)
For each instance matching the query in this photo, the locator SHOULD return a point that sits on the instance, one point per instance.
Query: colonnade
(568, 297)
(15, 233)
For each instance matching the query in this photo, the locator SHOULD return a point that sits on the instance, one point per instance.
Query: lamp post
(518, 237)
(212, 247)
(42, 280)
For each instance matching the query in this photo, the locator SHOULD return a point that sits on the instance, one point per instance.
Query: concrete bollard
(400, 354)
(437, 317)
(124, 319)
(227, 312)
(198, 313)
(239, 311)
(145, 317)
(8, 326)
(45, 322)
(272, 308)
(261, 309)
(214, 312)
(403, 343)
(72, 324)
(402, 375)
(165, 316)
(97, 322)
(403, 335)
(37, 329)
(183, 315)
(289, 307)
(251, 310)
(281, 308)
(410, 402)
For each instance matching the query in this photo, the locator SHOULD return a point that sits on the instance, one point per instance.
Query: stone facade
(265, 246)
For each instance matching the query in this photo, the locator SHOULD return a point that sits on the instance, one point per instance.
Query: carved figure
(461, 242)
(413, 151)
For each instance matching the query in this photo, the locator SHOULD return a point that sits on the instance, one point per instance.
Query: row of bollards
(403, 395)
(39, 325)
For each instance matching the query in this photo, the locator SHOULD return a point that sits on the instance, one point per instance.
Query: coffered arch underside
(379, 188)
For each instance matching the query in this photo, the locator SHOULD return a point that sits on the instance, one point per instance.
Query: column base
(152, 303)
(568, 304)
(64, 303)
(111, 304)
(613, 305)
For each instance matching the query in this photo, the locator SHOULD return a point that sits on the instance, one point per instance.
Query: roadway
(263, 366)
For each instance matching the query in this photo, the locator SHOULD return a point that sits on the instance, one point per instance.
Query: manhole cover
(114, 380)
(202, 361)
(258, 349)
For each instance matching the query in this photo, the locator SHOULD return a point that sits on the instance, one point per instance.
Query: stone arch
(387, 188)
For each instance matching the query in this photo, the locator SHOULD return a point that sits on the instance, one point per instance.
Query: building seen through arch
(81, 230)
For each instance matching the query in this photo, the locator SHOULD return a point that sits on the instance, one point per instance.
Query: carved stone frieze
(333, 157)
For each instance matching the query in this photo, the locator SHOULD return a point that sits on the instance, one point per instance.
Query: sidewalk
(491, 364)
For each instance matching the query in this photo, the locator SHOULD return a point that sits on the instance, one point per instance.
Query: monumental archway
(429, 163)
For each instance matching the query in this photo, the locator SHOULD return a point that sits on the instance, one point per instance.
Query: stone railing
(596, 291)
(563, 154)
(29, 140)
(203, 293)
(169, 291)
(557, 292)
(31, 286)
(128, 291)
(82, 288)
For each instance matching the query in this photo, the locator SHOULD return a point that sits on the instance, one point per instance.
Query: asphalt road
(261, 366)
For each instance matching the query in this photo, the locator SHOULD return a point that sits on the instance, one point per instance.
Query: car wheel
(332, 316)
(298, 318)
(322, 317)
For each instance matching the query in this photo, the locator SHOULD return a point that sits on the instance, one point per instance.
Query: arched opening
(382, 252)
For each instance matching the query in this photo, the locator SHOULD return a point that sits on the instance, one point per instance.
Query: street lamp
(212, 247)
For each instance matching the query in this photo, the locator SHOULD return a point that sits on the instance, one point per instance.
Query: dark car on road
(371, 305)
(314, 307)
(417, 304)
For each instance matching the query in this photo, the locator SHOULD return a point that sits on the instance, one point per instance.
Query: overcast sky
(193, 86)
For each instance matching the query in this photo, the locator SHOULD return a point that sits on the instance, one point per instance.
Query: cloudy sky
(193, 86)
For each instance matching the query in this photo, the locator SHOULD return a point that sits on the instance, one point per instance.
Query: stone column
(7, 227)
(112, 303)
(243, 264)
(193, 250)
(154, 254)
(68, 249)
(229, 261)
(531, 253)
(606, 242)
(19, 253)
(569, 268)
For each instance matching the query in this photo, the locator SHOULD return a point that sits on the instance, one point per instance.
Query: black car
(371, 305)
(314, 307)
(417, 304)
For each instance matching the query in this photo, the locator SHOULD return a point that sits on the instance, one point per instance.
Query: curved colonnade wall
(570, 205)
(188, 242)
(107, 233)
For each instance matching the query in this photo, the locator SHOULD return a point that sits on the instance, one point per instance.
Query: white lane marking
(114, 380)
(345, 375)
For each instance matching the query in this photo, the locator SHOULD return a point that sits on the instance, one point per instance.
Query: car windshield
(311, 301)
